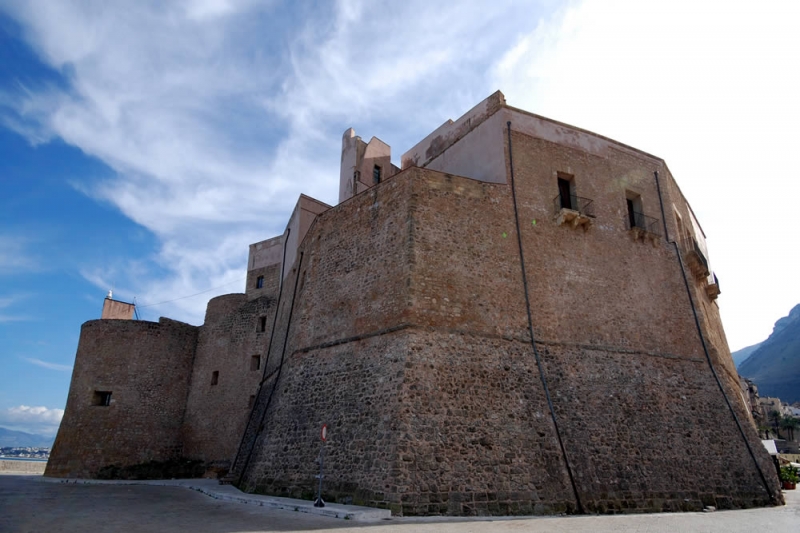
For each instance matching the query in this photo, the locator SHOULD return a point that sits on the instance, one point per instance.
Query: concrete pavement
(212, 488)
(28, 505)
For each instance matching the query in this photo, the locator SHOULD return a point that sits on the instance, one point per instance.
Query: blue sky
(143, 147)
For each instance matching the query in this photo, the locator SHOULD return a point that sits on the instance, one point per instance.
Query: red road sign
(323, 434)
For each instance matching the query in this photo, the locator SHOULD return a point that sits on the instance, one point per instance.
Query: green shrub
(789, 473)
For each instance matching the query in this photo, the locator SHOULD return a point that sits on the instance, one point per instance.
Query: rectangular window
(255, 362)
(635, 212)
(565, 191)
(260, 282)
(101, 398)
(376, 175)
(215, 377)
(262, 324)
(252, 401)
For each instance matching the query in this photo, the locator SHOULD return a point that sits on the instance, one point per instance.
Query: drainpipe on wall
(530, 329)
(775, 499)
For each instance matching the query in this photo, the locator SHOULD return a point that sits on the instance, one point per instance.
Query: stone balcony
(695, 258)
(712, 289)
(643, 228)
(574, 211)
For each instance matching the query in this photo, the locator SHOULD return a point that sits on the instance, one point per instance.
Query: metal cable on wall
(530, 328)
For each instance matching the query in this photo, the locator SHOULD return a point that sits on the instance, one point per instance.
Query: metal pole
(319, 502)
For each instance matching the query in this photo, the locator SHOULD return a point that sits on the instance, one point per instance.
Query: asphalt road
(30, 505)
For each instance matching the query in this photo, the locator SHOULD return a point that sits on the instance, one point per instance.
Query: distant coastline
(29, 459)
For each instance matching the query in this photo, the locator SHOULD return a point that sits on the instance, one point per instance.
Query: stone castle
(521, 319)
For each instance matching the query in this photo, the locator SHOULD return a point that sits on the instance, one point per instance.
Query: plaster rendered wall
(264, 259)
(216, 414)
(302, 217)
(114, 309)
(352, 150)
(376, 154)
(451, 132)
(480, 154)
(22, 467)
(147, 367)
(358, 161)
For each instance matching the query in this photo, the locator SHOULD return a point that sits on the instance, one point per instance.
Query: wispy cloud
(13, 318)
(46, 364)
(40, 420)
(15, 255)
(7, 302)
(217, 114)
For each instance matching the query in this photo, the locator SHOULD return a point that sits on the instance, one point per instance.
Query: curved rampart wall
(146, 367)
(232, 344)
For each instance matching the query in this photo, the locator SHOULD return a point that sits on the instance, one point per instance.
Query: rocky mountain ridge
(10, 438)
(775, 365)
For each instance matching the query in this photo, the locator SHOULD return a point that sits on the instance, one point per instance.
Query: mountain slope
(19, 439)
(740, 356)
(775, 366)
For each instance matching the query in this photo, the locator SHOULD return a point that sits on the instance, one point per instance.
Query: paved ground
(28, 505)
(229, 493)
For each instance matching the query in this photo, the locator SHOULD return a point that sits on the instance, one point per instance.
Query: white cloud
(174, 103)
(48, 365)
(39, 420)
(216, 114)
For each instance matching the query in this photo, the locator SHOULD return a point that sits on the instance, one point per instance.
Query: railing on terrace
(644, 222)
(712, 288)
(584, 206)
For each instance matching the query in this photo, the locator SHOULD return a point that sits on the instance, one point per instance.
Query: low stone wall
(24, 467)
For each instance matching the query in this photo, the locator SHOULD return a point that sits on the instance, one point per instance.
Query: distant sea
(22, 459)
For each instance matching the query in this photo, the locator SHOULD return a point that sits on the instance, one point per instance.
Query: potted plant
(789, 477)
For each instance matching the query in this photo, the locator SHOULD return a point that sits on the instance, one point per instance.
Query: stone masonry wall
(352, 387)
(352, 274)
(229, 339)
(598, 287)
(475, 436)
(617, 294)
(646, 431)
(255, 424)
(644, 425)
(714, 334)
(146, 366)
